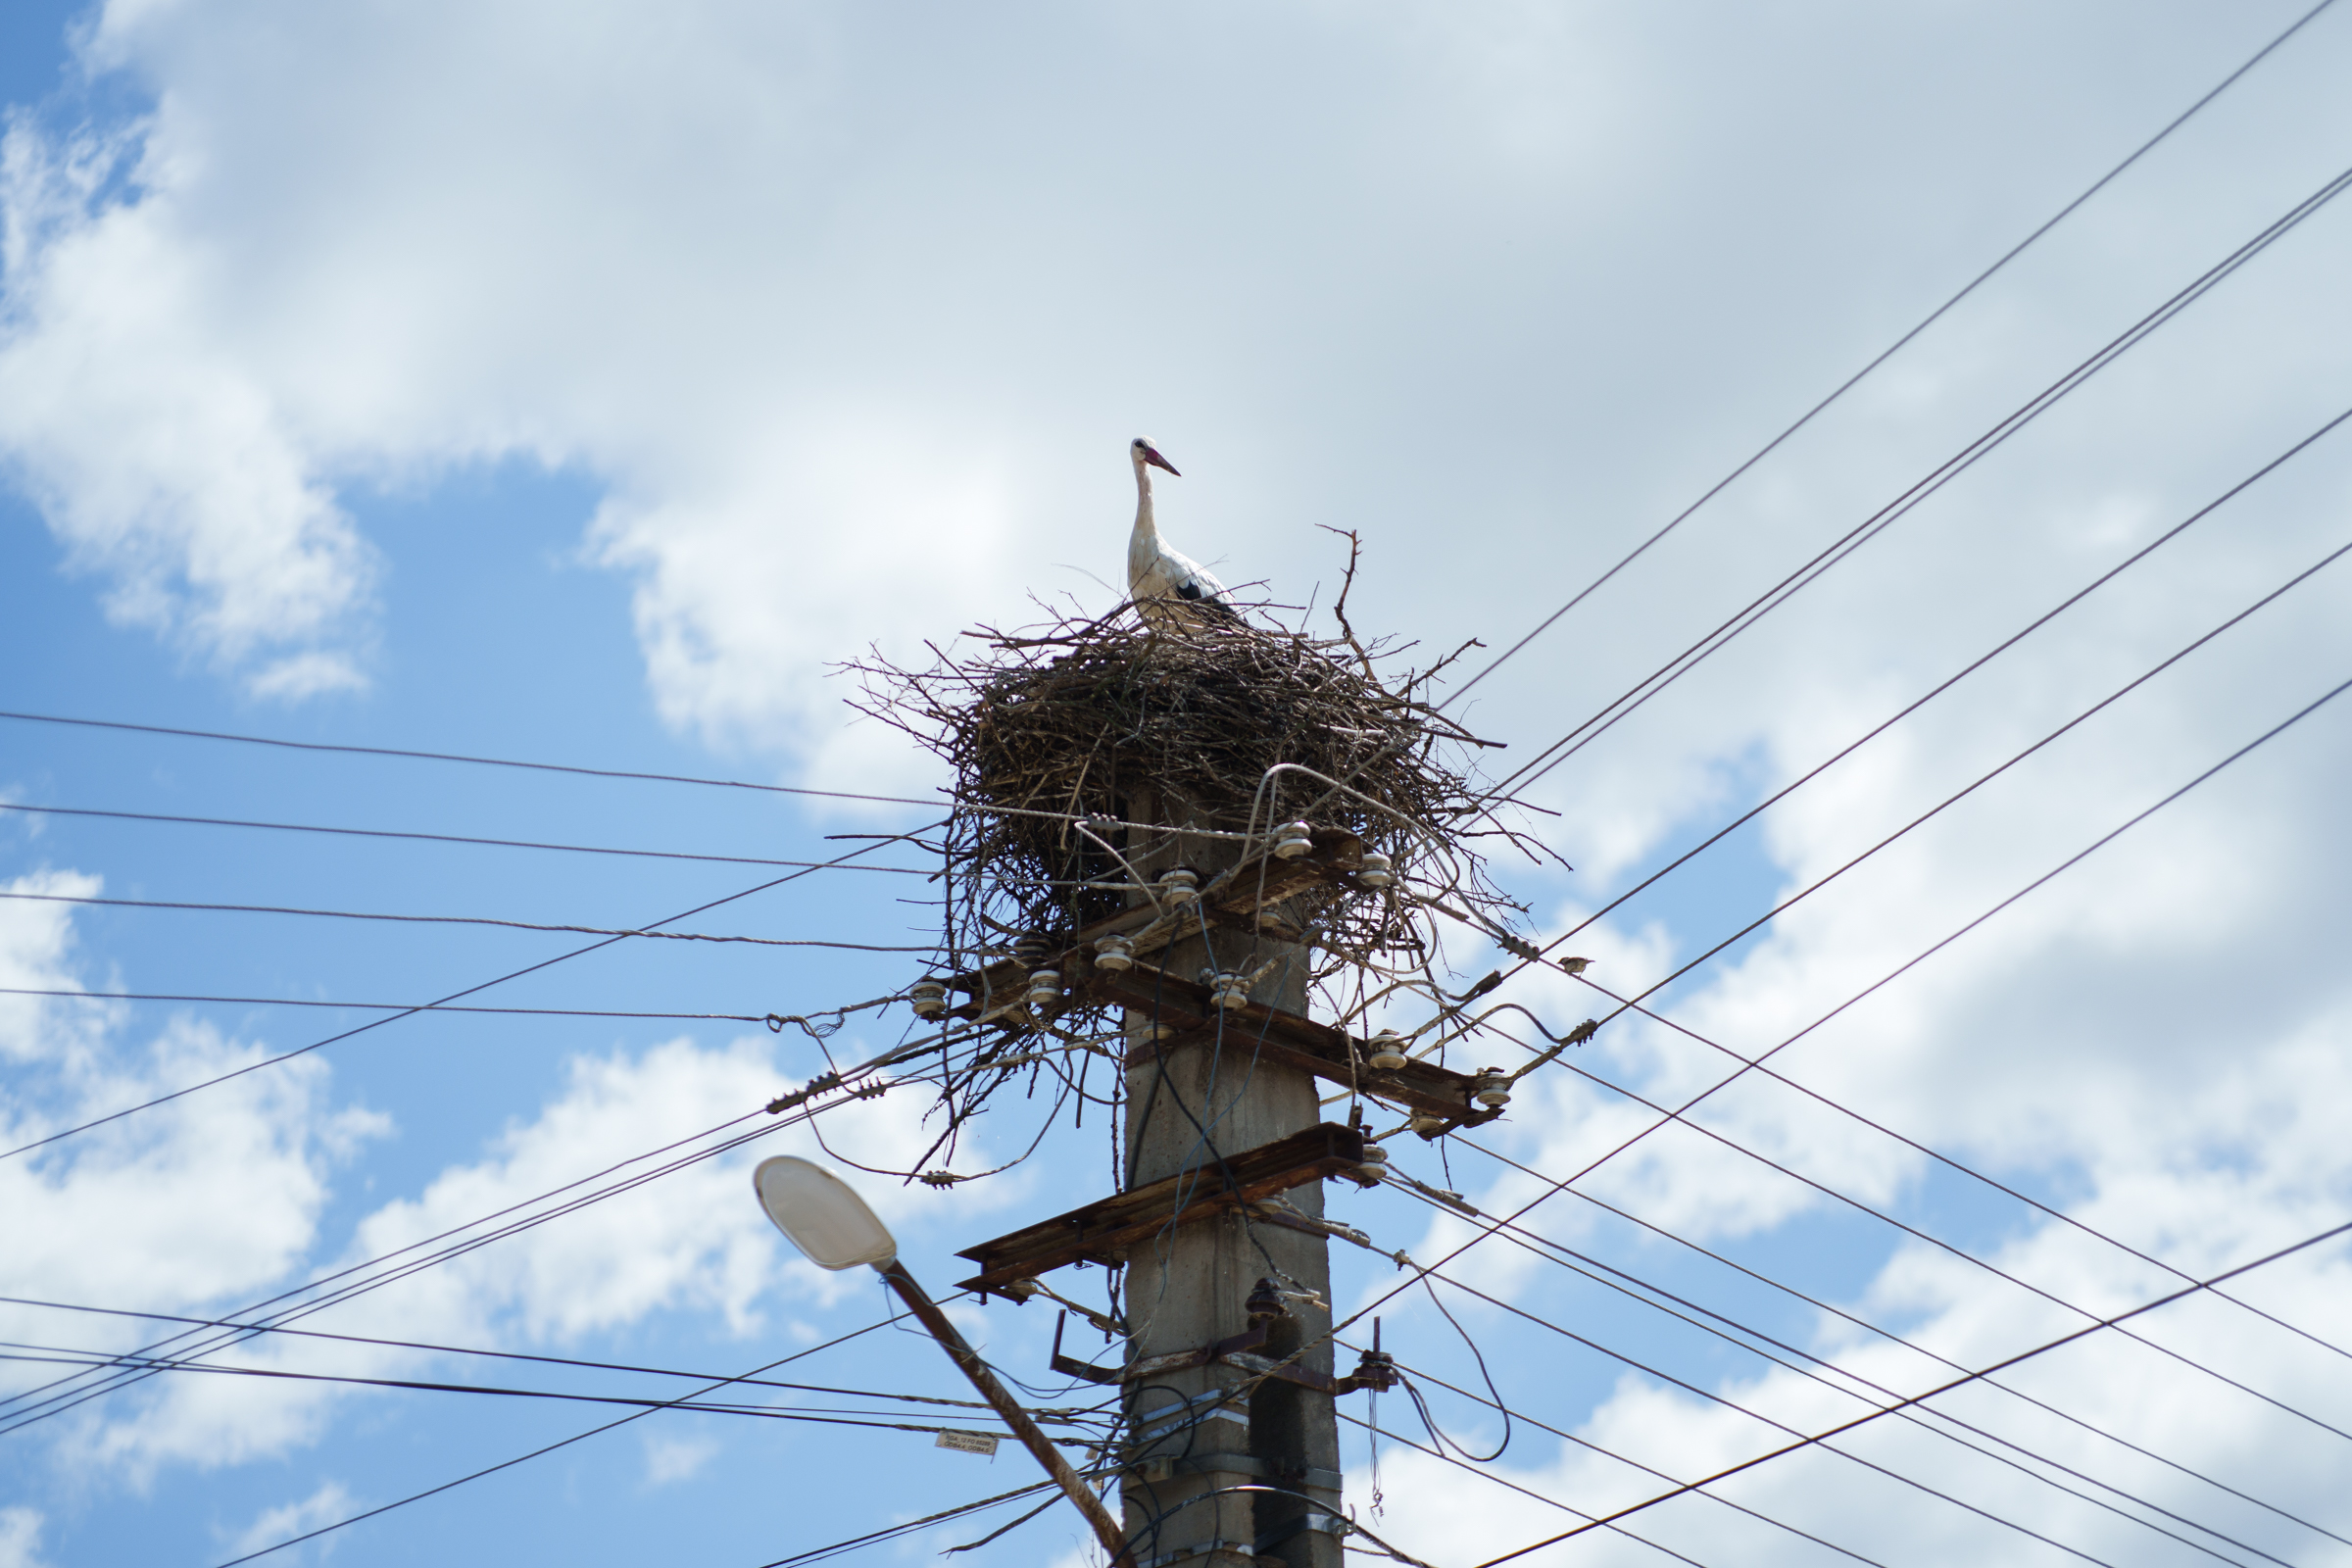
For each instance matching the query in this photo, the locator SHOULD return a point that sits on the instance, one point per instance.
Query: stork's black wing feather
(1210, 604)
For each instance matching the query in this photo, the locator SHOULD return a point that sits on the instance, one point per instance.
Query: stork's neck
(1145, 526)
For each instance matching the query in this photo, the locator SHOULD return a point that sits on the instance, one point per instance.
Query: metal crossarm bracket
(1293, 1041)
(1102, 1231)
(1233, 898)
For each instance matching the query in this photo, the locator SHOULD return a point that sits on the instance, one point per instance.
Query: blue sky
(579, 383)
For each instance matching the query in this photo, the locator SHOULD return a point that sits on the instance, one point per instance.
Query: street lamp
(824, 1218)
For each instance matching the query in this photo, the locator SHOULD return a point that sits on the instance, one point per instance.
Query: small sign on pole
(968, 1441)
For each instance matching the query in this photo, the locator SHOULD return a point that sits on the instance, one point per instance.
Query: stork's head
(1142, 451)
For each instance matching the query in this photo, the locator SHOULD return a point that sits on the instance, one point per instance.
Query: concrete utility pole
(1217, 1484)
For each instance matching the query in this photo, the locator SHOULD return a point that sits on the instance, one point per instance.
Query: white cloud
(208, 1196)
(849, 332)
(324, 1507)
(692, 1241)
(673, 1459)
(158, 460)
(20, 1537)
(216, 1198)
(198, 1202)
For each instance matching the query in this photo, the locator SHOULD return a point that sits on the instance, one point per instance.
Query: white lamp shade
(821, 1214)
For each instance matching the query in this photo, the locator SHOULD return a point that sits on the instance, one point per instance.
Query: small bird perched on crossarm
(1165, 584)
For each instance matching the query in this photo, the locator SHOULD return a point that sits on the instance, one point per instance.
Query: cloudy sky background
(575, 382)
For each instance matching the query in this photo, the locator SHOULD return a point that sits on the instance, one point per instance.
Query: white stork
(1166, 584)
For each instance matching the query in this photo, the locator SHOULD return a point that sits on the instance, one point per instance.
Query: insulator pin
(1114, 952)
(1385, 1052)
(1044, 990)
(1178, 888)
(928, 999)
(1491, 1088)
(1375, 1370)
(1228, 990)
(1291, 839)
(1376, 872)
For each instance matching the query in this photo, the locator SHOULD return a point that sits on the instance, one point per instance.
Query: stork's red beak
(1153, 458)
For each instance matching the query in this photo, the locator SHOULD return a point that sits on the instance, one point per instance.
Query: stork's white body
(1165, 582)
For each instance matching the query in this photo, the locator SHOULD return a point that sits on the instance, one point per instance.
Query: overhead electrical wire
(452, 757)
(1994, 773)
(444, 838)
(451, 919)
(1888, 353)
(1551, 1501)
(1748, 1064)
(1611, 1454)
(373, 1006)
(1938, 1243)
(543, 1450)
(536, 1357)
(1781, 907)
(1709, 1396)
(908, 1526)
(1777, 1353)
(1954, 679)
(58, 1404)
(1832, 1310)
(592, 772)
(682, 1401)
(60, 1356)
(2070, 1221)
(1879, 522)
(2291, 582)
(387, 1272)
(1626, 1004)
(1947, 1387)
(440, 1001)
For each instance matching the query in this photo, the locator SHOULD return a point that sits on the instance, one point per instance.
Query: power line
(1891, 350)
(1550, 1502)
(1713, 1397)
(1885, 1334)
(892, 1532)
(1986, 777)
(1714, 641)
(377, 1023)
(1756, 1064)
(374, 1007)
(446, 838)
(1946, 684)
(454, 756)
(1527, 956)
(522, 1458)
(1936, 1241)
(1941, 1387)
(500, 1356)
(453, 920)
(561, 768)
(1545, 1249)
(844, 1419)
(387, 1275)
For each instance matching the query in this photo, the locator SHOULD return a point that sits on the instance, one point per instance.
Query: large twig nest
(1116, 720)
